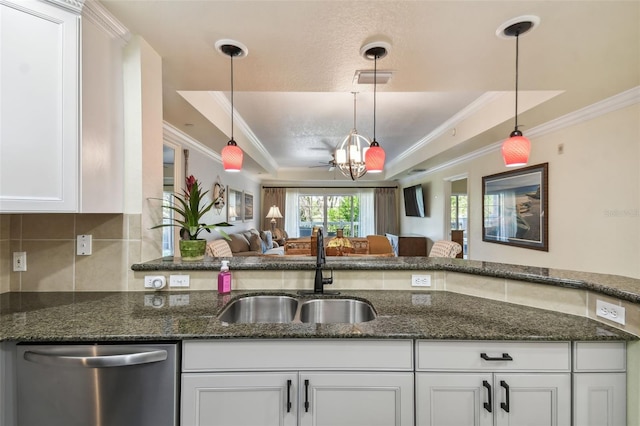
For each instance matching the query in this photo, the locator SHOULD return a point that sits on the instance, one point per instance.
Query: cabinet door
(356, 399)
(599, 399)
(239, 399)
(454, 399)
(39, 107)
(532, 399)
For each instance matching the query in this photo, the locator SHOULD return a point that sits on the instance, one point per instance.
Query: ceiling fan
(331, 164)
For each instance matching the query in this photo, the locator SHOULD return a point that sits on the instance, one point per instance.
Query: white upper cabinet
(49, 161)
(39, 107)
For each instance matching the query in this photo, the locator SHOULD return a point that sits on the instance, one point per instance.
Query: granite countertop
(624, 288)
(131, 316)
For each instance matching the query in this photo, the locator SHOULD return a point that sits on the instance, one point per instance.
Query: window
(167, 218)
(459, 213)
(332, 209)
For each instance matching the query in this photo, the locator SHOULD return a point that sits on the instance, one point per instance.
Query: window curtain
(367, 219)
(274, 197)
(291, 224)
(386, 211)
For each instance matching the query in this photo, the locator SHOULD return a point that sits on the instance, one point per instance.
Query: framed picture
(515, 210)
(234, 205)
(248, 206)
(219, 196)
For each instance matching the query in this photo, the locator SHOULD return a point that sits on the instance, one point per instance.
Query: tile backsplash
(50, 243)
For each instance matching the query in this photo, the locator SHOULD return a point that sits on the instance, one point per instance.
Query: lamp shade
(515, 150)
(232, 157)
(274, 213)
(374, 158)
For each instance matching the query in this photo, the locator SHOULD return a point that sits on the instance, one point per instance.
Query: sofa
(245, 243)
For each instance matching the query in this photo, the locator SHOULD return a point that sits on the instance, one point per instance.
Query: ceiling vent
(367, 76)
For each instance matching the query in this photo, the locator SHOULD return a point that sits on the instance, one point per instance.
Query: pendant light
(232, 155)
(374, 157)
(516, 149)
(350, 153)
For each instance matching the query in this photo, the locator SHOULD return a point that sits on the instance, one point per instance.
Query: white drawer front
(500, 356)
(599, 356)
(294, 354)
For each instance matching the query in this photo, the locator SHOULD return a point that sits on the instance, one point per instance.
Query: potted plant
(188, 219)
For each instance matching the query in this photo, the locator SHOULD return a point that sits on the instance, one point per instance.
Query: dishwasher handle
(97, 361)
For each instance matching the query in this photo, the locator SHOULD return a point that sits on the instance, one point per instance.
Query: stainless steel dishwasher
(97, 385)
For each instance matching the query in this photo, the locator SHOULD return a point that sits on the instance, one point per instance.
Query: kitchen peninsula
(472, 308)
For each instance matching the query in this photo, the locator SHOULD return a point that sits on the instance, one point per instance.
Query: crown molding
(459, 117)
(74, 6)
(611, 104)
(605, 106)
(96, 13)
(178, 137)
(242, 125)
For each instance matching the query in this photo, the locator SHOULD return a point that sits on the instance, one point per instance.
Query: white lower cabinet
(340, 382)
(599, 384)
(305, 398)
(356, 399)
(298, 382)
(247, 399)
(493, 383)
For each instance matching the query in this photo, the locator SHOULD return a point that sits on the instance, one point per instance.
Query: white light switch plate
(84, 245)
(178, 280)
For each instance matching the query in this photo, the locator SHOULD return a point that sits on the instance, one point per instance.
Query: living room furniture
(444, 248)
(412, 245)
(379, 244)
(458, 236)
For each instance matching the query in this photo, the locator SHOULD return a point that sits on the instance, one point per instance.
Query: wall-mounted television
(413, 201)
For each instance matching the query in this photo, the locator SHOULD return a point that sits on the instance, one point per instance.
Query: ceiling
(451, 92)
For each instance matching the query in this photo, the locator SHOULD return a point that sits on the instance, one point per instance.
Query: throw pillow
(255, 243)
(238, 243)
(267, 240)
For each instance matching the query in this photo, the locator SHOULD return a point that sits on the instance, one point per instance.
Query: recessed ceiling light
(380, 48)
(367, 76)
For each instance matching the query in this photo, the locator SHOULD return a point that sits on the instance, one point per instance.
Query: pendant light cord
(354, 110)
(231, 56)
(517, 51)
(375, 83)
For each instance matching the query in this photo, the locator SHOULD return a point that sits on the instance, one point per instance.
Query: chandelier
(350, 153)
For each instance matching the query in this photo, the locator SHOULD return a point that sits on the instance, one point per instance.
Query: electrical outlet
(610, 311)
(421, 280)
(19, 261)
(178, 280)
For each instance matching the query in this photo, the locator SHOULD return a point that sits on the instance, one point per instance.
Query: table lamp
(274, 213)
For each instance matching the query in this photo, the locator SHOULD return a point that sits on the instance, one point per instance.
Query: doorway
(459, 216)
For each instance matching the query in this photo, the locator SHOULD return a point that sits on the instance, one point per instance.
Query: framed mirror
(234, 205)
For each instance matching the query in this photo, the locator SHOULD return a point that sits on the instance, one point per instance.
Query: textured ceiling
(450, 70)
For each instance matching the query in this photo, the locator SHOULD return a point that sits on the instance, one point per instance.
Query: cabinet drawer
(492, 356)
(599, 356)
(297, 354)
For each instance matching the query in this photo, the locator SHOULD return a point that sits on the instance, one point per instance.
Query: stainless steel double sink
(287, 309)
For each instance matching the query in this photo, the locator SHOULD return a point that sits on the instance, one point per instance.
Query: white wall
(205, 165)
(594, 198)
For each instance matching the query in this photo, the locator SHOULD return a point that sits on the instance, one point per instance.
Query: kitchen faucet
(320, 281)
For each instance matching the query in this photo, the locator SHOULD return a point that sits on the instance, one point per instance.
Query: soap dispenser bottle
(224, 278)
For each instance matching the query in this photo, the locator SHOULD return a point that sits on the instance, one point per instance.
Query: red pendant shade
(374, 158)
(232, 157)
(515, 150)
